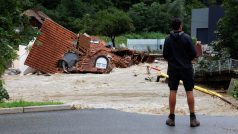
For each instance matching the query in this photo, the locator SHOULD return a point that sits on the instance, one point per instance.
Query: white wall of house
(22, 55)
(143, 44)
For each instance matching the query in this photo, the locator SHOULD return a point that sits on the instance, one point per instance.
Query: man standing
(179, 51)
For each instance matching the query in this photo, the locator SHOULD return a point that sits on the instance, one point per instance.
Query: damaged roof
(58, 50)
(50, 46)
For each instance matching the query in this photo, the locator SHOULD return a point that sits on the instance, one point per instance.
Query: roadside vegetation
(234, 92)
(3, 92)
(22, 103)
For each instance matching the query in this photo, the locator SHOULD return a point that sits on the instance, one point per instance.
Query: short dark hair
(176, 22)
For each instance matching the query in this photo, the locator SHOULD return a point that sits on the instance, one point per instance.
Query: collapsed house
(58, 50)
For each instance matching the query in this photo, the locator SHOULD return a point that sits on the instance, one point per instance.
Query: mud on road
(124, 89)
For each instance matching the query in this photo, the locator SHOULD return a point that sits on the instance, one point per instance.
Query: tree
(97, 5)
(150, 18)
(87, 23)
(138, 14)
(177, 8)
(227, 29)
(124, 4)
(67, 13)
(113, 22)
(49, 4)
(14, 30)
(158, 18)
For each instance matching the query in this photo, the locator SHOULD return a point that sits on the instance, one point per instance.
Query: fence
(217, 66)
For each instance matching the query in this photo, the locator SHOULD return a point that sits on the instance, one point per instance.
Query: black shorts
(186, 75)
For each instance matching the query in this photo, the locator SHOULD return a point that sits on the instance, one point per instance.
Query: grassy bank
(26, 103)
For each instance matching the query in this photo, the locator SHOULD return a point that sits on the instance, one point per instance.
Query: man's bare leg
(172, 102)
(190, 99)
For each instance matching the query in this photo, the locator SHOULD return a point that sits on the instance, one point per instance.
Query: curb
(11, 110)
(35, 109)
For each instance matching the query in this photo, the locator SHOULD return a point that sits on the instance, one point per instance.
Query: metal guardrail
(217, 66)
(145, 44)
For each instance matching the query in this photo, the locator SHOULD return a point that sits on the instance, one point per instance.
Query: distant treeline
(146, 15)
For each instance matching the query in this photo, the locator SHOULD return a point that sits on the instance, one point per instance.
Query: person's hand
(194, 61)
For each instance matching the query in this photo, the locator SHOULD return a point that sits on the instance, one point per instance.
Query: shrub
(3, 92)
(234, 92)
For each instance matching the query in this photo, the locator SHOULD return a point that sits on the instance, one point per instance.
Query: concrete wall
(204, 22)
(143, 44)
(199, 20)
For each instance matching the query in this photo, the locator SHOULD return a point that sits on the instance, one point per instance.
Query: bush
(234, 92)
(3, 92)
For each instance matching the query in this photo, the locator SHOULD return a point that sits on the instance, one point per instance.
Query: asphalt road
(106, 121)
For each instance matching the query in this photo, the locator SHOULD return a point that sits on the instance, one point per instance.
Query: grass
(26, 103)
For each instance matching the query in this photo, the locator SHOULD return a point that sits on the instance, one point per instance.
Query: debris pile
(49, 47)
(58, 50)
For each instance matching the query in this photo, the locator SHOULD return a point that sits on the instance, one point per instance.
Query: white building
(146, 44)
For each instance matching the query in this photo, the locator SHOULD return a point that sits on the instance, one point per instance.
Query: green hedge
(3, 92)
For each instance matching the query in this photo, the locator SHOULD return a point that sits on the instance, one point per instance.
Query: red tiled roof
(53, 42)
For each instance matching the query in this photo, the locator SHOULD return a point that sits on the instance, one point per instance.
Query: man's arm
(192, 50)
(166, 49)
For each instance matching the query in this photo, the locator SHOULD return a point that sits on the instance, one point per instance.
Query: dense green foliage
(147, 15)
(227, 29)
(150, 18)
(3, 92)
(112, 23)
(14, 30)
(156, 16)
